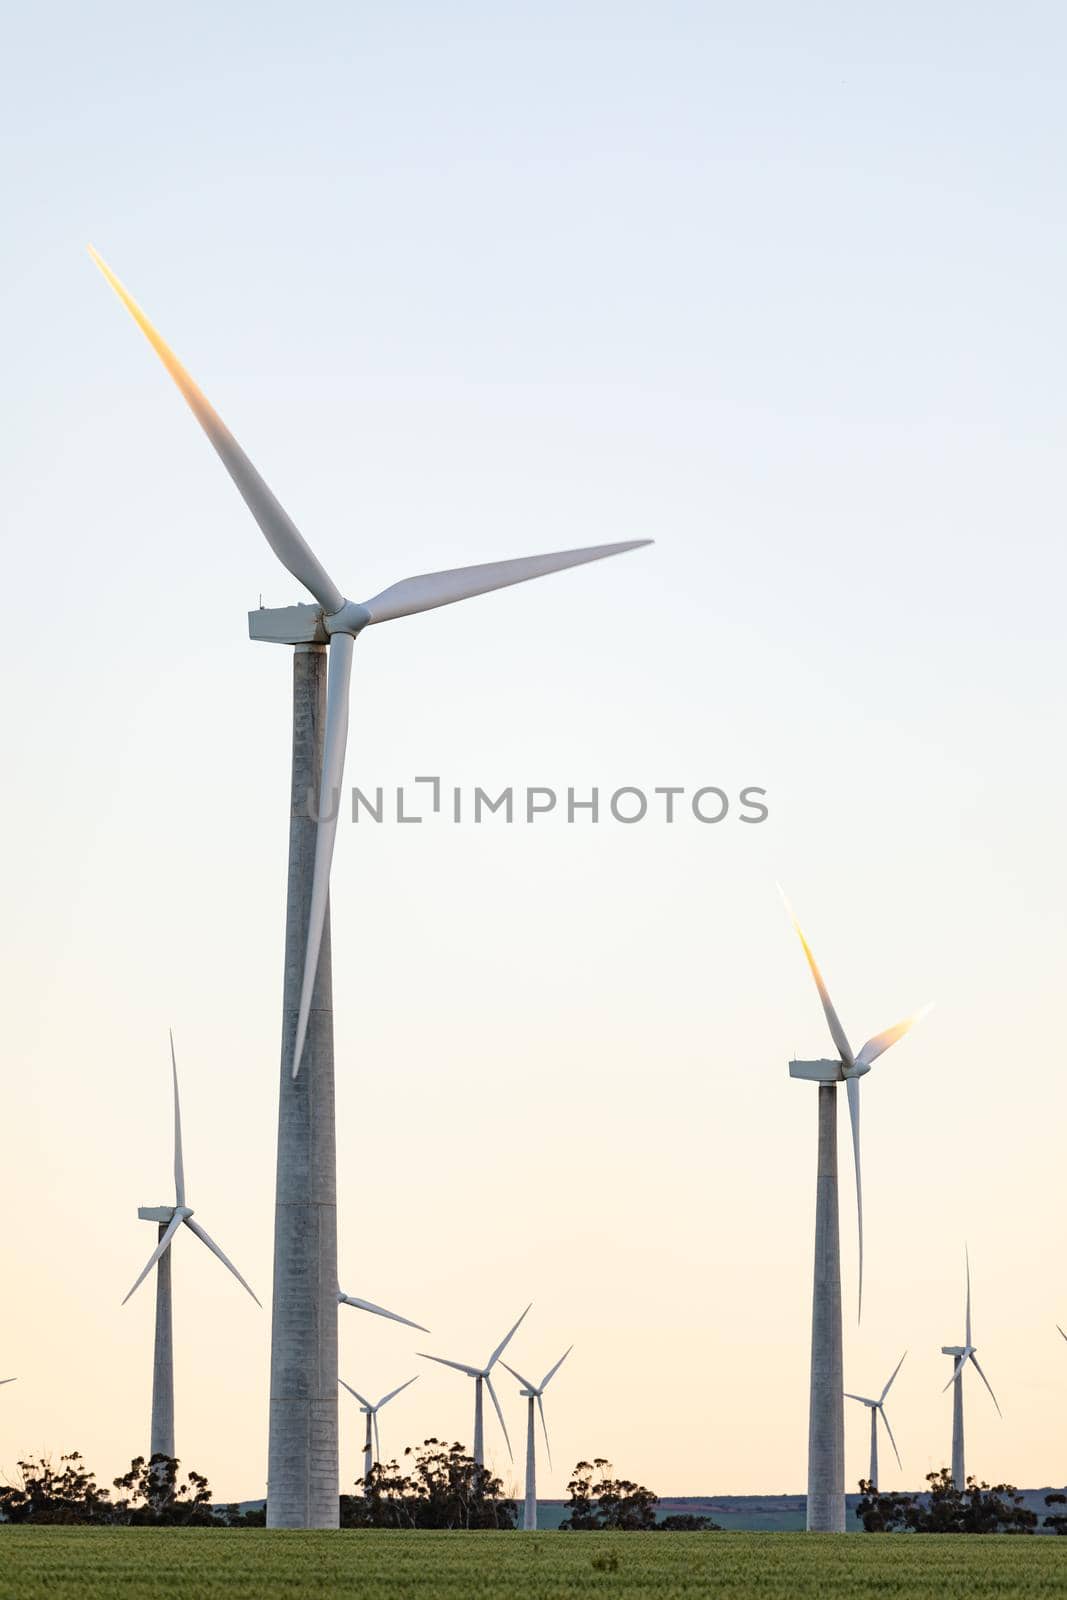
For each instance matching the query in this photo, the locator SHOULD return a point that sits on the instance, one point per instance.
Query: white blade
(206, 1238)
(889, 1385)
(526, 1384)
(551, 1373)
(892, 1441)
(853, 1087)
(394, 1392)
(432, 589)
(502, 1346)
(544, 1427)
(957, 1372)
(1061, 1332)
(6, 1380)
(881, 1041)
(987, 1383)
(378, 1311)
(472, 1372)
(279, 530)
(500, 1414)
(164, 1244)
(333, 768)
(862, 1398)
(179, 1165)
(377, 1438)
(356, 1394)
(837, 1032)
(967, 1339)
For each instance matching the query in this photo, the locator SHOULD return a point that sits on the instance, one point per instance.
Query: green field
(98, 1564)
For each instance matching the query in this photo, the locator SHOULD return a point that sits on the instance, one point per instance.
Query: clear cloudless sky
(779, 286)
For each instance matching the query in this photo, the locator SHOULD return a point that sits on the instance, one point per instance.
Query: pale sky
(780, 287)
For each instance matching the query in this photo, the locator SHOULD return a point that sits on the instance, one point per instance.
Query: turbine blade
(837, 1032)
(881, 1041)
(6, 1380)
(987, 1383)
(500, 1414)
(544, 1427)
(164, 1244)
(892, 1441)
(179, 1165)
(472, 1372)
(394, 1392)
(862, 1398)
(957, 1374)
(432, 589)
(889, 1385)
(205, 1238)
(378, 1311)
(277, 527)
(967, 1255)
(502, 1346)
(356, 1394)
(551, 1373)
(853, 1087)
(1062, 1334)
(333, 767)
(524, 1381)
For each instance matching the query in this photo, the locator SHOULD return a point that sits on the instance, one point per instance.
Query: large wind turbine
(877, 1408)
(302, 1482)
(961, 1354)
(826, 1410)
(170, 1219)
(481, 1377)
(532, 1392)
(372, 1449)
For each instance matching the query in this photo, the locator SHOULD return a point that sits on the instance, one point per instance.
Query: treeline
(979, 1508)
(150, 1494)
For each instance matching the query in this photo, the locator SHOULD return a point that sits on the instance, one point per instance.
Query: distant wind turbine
(481, 1376)
(826, 1410)
(170, 1219)
(532, 1392)
(877, 1409)
(302, 1476)
(372, 1450)
(961, 1354)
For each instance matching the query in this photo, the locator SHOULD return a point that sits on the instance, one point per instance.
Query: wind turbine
(961, 1354)
(373, 1450)
(481, 1377)
(532, 1392)
(302, 1482)
(877, 1408)
(378, 1311)
(826, 1411)
(170, 1219)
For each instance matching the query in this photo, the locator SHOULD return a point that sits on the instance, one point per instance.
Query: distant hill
(755, 1513)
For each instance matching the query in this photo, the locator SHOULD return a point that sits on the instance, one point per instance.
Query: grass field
(99, 1564)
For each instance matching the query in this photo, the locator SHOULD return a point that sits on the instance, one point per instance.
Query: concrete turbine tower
(961, 1354)
(169, 1220)
(531, 1392)
(481, 1377)
(302, 1481)
(372, 1449)
(826, 1411)
(877, 1409)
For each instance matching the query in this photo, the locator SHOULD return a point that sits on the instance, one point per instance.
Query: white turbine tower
(481, 1377)
(961, 1354)
(532, 1392)
(826, 1410)
(170, 1219)
(877, 1409)
(372, 1448)
(302, 1483)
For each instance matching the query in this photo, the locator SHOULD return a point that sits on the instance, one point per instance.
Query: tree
(608, 1502)
(153, 1495)
(1057, 1521)
(686, 1522)
(442, 1488)
(978, 1508)
(48, 1494)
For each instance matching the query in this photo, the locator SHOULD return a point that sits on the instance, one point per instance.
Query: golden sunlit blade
(881, 1041)
(280, 531)
(837, 1032)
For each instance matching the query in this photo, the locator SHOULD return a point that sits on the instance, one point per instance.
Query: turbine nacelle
(163, 1213)
(826, 1071)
